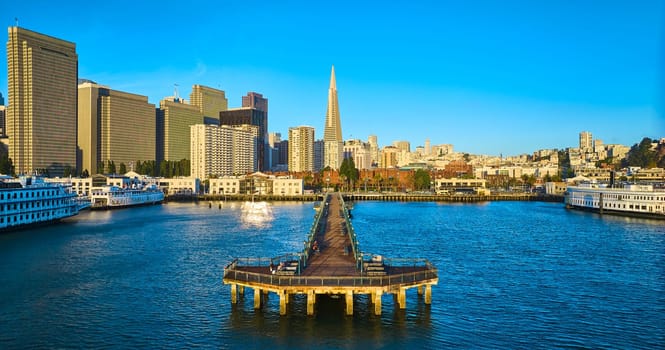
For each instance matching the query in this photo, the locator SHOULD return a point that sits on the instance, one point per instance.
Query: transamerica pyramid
(332, 133)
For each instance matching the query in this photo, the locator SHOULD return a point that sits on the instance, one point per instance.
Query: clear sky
(490, 77)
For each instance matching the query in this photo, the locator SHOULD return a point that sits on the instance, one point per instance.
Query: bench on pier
(376, 273)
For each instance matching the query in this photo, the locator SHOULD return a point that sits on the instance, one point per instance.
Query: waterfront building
(257, 183)
(319, 155)
(251, 116)
(332, 133)
(301, 149)
(221, 150)
(180, 185)
(209, 101)
(113, 126)
(174, 119)
(360, 152)
(374, 150)
(42, 74)
(455, 185)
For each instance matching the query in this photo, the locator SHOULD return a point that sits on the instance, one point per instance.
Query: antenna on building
(16, 20)
(176, 98)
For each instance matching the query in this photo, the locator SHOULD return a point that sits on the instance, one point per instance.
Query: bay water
(511, 275)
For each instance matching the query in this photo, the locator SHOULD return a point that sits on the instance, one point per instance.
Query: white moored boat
(631, 200)
(31, 201)
(110, 197)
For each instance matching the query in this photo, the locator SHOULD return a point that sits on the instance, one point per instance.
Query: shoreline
(389, 197)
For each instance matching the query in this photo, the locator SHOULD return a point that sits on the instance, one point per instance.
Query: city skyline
(499, 78)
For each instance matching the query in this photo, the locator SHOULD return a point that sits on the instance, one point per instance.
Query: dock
(330, 263)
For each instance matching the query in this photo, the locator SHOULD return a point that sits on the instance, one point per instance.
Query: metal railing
(429, 272)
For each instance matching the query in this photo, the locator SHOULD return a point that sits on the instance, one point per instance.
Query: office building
(319, 155)
(251, 116)
(255, 100)
(42, 74)
(3, 121)
(209, 101)
(404, 146)
(2, 100)
(332, 132)
(113, 126)
(301, 149)
(174, 119)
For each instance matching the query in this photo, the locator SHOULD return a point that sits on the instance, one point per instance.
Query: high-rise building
(374, 149)
(210, 102)
(586, 141)
(332, 132)
(2, 100)
(3, 121)
(113, 126)
(301, 148)
(428, 148)
(221, 151)
(251, 116)
(255, 100)
(42, 74)
(174, 119)
(319, 155)
(389, 156)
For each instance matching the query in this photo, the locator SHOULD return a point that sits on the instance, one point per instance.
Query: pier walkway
(331, 263)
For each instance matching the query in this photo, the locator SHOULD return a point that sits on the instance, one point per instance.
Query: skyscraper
(42, 74)
(251, 116)
(2, 100)
(210, 102)
(301, 148)
(174, 119)
(332, 133)
(113, 126)
(255, 100)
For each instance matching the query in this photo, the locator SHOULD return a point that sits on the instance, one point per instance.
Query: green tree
(100, 167)
(111, 167)
(422, 180)
(641, 155)
(349, 172)
(67, 171)
(123, 168)
(85, 173)
(6, 166)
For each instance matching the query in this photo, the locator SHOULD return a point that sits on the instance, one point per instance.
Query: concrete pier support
(257, 298)
(283, 300)
(420, 290)
(428, 294)
(241, 290)
(311, 300)
(234, 297)
(401, 298)
(349, 303)
(377, 302)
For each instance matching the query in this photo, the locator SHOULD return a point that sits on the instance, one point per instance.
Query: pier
(330, 263)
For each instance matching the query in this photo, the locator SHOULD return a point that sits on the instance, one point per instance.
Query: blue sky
(489, 77)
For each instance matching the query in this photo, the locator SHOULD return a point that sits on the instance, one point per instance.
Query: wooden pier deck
(330, 263)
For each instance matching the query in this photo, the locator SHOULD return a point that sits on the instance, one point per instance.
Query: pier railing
(355, 246)
(231, 272)
(315, 229)
(420, 270)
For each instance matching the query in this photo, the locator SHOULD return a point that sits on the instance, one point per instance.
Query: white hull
(638, 201)
(114, 197)
(35, 204)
